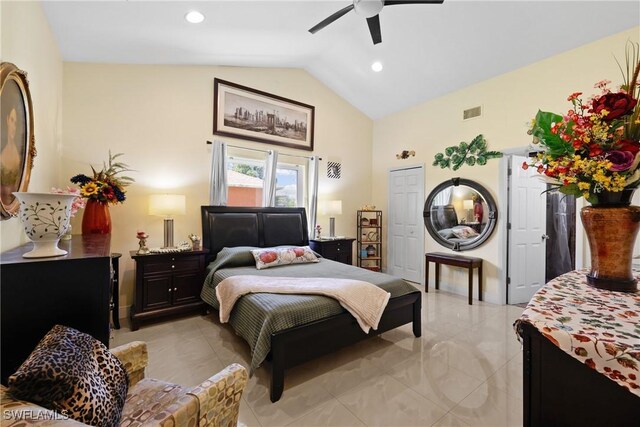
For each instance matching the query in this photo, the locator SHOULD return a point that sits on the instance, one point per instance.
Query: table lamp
(167, 205)
(332, 208)
(468, 206)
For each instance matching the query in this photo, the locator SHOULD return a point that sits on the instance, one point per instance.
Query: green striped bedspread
(256, 316)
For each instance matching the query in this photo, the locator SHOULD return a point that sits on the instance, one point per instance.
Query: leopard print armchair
(215, 402)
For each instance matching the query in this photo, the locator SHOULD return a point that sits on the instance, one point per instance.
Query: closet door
(405, 250)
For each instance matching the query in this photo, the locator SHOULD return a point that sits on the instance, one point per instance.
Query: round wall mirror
(460, 214)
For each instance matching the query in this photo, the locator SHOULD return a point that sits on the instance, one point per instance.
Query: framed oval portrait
(18, 143)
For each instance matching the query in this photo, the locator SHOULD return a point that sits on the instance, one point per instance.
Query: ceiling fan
(370, 10)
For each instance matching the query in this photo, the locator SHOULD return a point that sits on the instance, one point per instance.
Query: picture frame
(17, 139)
(251, 114)
(334, 170)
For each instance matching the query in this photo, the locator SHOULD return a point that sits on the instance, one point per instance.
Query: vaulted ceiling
(426, 50)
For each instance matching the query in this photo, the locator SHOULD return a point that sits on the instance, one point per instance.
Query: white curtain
(314, 167)
(218, 189)
(269, 189)
(443, 198)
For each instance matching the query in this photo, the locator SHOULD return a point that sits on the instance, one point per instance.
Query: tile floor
(466, 369)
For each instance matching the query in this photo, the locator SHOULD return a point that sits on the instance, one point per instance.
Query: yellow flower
(583, 186)
(89, 189)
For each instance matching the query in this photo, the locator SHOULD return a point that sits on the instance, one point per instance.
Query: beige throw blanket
(363, 300)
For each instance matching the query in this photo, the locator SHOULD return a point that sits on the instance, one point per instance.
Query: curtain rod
(264, 151)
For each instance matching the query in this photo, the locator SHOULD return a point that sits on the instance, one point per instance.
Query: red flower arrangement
(594, 147)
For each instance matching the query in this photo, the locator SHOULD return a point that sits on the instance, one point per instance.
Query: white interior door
(527, 219)
(405, 249)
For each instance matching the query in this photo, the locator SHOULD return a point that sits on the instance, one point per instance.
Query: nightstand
(167, 284)
(334, 249)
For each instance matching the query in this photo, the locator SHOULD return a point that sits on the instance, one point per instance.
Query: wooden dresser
(581, 355)
(37, 293)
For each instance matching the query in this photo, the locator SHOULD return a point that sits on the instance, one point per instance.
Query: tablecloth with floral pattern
(599, 328)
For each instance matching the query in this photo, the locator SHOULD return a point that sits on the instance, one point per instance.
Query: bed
(291, 329)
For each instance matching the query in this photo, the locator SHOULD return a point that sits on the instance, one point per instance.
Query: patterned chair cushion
(160, 403)
(273, 257)
(75, 375)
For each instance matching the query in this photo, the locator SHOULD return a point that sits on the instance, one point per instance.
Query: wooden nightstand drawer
(342, 245)
(172, 264)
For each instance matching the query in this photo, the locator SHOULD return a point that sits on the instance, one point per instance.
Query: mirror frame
(486, 232)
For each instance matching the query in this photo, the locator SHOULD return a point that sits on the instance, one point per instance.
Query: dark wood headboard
(228, 226)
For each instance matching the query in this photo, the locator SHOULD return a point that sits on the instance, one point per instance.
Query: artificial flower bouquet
(595, 147)
(105, 186)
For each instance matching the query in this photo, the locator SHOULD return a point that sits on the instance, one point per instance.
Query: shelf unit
(369, 248)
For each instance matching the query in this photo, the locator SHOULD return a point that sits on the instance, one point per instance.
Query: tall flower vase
(45, 217)
(96, 218)
(611, 226)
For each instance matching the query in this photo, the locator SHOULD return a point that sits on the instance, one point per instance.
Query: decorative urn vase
(45, 217)
(96, 218)
(611, 226)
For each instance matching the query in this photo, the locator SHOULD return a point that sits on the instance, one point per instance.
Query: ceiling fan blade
(330, 19)
(394, 2)
(374, 29)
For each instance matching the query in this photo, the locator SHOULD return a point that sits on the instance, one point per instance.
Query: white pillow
(273, 257)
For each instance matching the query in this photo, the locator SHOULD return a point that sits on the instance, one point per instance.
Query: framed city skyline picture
(246, 113)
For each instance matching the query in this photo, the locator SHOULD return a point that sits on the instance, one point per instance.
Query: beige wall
(509, 103)
(35, 52)
(161, 116)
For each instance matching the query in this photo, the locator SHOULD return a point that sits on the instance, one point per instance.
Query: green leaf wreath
(471, 154)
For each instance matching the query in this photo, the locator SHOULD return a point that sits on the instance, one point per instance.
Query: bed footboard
(297, 345)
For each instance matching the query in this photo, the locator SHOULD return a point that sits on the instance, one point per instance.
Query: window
(246, 172)
(245, 178)
(289, 186)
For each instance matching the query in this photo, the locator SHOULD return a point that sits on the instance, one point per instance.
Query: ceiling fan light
(194, 17)
(368, 8)
(376, 66)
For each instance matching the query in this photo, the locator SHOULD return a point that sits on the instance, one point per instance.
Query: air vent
(472, 113)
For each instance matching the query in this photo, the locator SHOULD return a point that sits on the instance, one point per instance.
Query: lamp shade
(467, 204)
(331, 207)
(167, 204)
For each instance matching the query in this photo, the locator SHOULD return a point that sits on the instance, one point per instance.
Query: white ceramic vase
(45, 217)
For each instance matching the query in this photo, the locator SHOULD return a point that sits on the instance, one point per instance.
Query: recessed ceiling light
(376, 66)
(194, 17)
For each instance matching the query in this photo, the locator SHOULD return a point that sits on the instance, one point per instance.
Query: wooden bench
(456, 261)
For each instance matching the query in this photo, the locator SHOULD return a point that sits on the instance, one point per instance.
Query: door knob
(545, 236)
